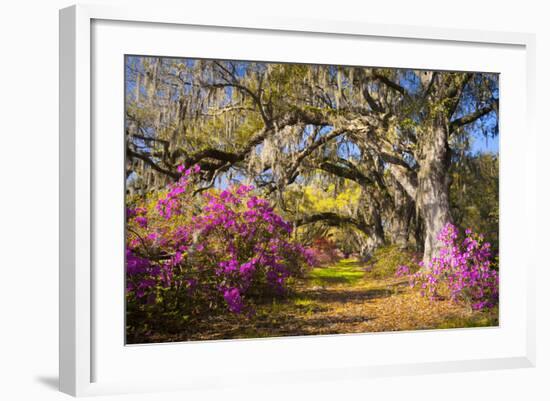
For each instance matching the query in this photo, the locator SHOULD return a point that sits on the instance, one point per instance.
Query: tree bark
(418, 232)
(433, 185)
(378, 228)
(401, 217)
(376, 237)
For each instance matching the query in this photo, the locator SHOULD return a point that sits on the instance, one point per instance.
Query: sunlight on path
(344, 298)
(346, 271)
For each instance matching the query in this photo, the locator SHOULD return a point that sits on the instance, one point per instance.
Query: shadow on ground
(345, 295)
(51, 382)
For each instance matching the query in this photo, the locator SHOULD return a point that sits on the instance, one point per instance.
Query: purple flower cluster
(222, 247)
(234, 300)
(402, 270)
(463, 270)
(141, 268)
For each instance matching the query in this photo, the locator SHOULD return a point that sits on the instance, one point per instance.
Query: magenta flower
(463, 269)
(234, 301)
(231, 246)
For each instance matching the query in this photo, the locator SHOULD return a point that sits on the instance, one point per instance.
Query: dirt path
(344, 298)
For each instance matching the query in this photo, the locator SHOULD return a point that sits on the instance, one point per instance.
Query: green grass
(486, 319)
(306, 306)
(386, 259)
(345, 271)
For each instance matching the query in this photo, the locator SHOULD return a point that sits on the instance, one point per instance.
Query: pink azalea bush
(323, 251)
(402, 270)
(191, 254)
(462, 271)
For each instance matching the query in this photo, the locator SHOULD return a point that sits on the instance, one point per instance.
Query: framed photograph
(290, 199)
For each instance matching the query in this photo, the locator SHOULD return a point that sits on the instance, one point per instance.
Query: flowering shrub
(220, 250)
(462, 270)
(402, 270)
(323, 251)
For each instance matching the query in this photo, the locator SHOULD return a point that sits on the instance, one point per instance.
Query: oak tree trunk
(401, 218)
(433, 186)
(376, 237)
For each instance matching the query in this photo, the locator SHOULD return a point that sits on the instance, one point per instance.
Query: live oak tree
(393, 132)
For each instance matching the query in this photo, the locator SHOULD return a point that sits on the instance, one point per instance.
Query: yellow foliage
(327, 200)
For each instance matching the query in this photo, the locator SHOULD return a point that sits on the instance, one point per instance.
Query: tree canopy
(381, 154)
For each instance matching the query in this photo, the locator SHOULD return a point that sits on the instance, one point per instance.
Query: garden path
(343, 298)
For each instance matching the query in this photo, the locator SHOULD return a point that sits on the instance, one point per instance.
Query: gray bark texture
(403, 209)
(433, 186)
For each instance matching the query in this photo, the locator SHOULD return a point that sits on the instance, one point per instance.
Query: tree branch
(407, 181)
(388, 82)
(370, 100)
(152, 164)
(333, 219)
(346, 172)
(470, 118)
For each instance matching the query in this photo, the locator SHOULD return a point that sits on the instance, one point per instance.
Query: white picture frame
(82, 346)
